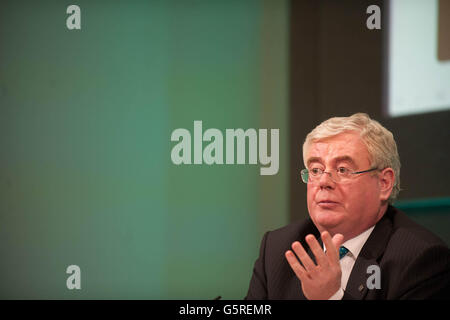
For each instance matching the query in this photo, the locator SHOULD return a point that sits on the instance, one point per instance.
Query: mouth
(327, 203)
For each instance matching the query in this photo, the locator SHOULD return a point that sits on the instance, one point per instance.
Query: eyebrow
(338, 159)
(345, 158)
(313, 159)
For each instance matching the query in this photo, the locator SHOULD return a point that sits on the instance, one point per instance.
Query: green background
(86, 116)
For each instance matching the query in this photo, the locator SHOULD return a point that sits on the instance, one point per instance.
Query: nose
(326, 181)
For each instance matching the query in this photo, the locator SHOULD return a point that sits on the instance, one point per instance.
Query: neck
(357, 230)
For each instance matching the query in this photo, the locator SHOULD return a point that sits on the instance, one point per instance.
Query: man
(355, 245)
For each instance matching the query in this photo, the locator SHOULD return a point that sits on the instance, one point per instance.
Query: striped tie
(342, 252)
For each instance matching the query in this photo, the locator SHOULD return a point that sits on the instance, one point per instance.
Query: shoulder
(416, 258)
(413, 247)
(410, 235)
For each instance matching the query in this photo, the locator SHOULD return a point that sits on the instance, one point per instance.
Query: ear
(387, 180)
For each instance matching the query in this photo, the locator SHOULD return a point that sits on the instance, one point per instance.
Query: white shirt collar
(355, 244)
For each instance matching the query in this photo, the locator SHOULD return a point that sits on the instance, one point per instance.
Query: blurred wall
(86, 117)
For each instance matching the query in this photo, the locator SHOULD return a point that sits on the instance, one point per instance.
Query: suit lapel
(356, 285)
(370, 252)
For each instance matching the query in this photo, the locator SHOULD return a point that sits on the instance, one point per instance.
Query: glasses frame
(306, 172)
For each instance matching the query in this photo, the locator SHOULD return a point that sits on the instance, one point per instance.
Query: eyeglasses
(341, 174)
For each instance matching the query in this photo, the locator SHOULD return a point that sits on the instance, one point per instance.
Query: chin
(328, 219)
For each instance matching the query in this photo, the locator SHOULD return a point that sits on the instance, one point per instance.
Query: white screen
(418, 81)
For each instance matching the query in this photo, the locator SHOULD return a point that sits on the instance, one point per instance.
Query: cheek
(359, 197)
(310, 193)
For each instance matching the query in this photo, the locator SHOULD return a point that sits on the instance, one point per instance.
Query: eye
(315, 171)
(343, 171)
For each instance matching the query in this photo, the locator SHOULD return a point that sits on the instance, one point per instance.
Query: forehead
(340, 146)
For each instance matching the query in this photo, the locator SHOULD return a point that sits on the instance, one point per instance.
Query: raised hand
(319, 281)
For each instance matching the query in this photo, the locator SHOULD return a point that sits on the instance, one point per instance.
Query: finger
(321, 258)
(332, 251)
(303, 256)
(295, 265)
(338, 240)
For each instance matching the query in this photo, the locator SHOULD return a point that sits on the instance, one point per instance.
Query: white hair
(379, 141)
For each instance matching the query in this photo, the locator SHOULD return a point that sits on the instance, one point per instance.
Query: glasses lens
(304, 174)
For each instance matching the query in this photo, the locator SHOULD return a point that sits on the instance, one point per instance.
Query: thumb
(338, 240)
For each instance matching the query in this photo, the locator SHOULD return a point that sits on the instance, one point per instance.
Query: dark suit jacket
(414, 263)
